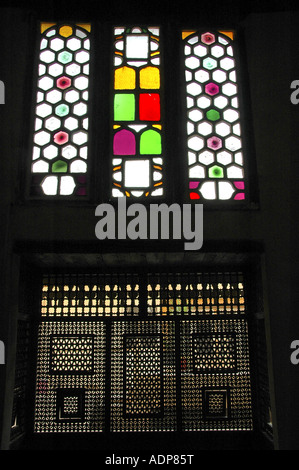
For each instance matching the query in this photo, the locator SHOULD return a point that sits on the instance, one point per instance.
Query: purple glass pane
(124, 143)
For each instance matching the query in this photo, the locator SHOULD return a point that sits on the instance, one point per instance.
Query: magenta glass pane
(124, 143)
(212, 89)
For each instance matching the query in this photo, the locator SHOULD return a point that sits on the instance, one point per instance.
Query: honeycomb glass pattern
(195, 294)
(214, 134)
(198, 407)
(137, 162)
(102, 295)
(143, 375)
(143, 410)
(60, 136)
(59, 407)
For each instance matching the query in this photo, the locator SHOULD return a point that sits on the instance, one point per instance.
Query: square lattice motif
(214, 352)
(71, 354)
(216, 403)
(70, 405)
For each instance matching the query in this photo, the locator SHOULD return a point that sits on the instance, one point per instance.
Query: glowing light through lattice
(137, 139)
(59, 156)
(215, 148)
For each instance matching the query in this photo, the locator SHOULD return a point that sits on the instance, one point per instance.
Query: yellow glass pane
(230, 34)
(187, 33)
(85, 26)
(150, 78)
(66, 31)
(125, 78)
(45, 26)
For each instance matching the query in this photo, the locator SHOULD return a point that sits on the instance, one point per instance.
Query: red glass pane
(149, 107)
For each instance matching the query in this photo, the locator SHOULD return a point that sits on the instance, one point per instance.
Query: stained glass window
(214, 134)
(137, 122)
(60, 140)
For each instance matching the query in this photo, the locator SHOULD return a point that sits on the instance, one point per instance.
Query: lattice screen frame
(180, 307)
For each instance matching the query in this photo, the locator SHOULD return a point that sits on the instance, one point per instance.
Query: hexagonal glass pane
(81, 83)
(71, 123)
(52, 123)
(80, 109)
(74, 44)
(195, 115)
(82, 57)
(193, 89)
(202, 76)
(56, 44)
(42, 138)
(222, 129)
(69, 152)
(55, 70)
(206, 157)
(229, 89)
(54, 96)
(43, 110)
(200, 50)
(80, 138)
(227, 63)
(45, 83)
(47, 56)
(204, 128)
(203, 102)
(50, 152)
(192, 63)
(71, 96)
(195, 143)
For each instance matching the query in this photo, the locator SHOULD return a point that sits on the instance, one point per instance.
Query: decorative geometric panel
(216, 403)
(90, 295)
(195, 294)
(143, 376)
(70, 405)
(215, 351)
(60, 140)
(69, 397)
(137, 160)
(71, 354)
(214, 142)
(216, 383)
(143, 356)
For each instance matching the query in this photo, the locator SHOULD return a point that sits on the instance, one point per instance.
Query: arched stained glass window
(137, 125)
(60, 140)
(214, 134)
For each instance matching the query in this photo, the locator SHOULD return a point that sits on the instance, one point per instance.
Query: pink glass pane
(124, 143)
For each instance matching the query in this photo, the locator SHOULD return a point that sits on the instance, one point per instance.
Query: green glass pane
(216, 172)
(59, 167)
(62, 110)
(65, 57)
(150, 143)
(213, 115)
(124, 107)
